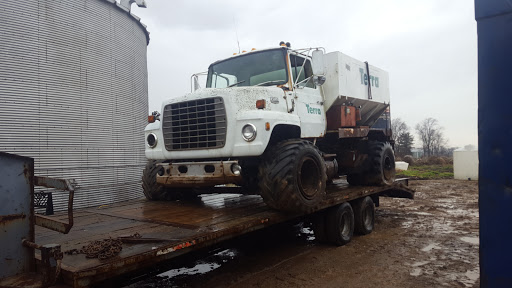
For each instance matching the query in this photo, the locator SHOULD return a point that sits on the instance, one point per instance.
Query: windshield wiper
(241, 81)
(271, 82)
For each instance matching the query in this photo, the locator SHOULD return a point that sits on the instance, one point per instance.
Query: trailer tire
(156, 192)
(293, 177)
(340, 224)
(364, 215)
(381, 164)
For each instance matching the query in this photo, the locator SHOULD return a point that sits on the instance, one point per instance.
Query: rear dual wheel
(379, 168)
(364, 215)
(340, 224)
(337, 224)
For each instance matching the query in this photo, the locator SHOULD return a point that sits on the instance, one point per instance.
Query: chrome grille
(196, 124)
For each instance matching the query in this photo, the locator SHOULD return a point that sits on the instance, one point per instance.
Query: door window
(305, 73)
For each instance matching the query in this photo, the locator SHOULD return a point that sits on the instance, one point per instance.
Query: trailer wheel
(293, 177)
(381, 164)
(340, 224)
(154, 191)
(364, 215)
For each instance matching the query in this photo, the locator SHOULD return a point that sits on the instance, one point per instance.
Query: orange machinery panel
(341, 116)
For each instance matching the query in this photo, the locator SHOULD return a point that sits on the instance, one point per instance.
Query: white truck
(279, 122)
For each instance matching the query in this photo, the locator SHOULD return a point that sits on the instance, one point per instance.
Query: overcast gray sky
(429, 48)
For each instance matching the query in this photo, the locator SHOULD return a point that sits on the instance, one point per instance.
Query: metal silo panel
(73, 94)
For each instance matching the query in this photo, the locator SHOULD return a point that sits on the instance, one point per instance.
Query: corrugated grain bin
(465, 165)
(73, 94)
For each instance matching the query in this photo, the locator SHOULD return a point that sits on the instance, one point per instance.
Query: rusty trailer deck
(176, 228)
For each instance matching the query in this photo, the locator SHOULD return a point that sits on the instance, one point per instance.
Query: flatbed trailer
(170, 229)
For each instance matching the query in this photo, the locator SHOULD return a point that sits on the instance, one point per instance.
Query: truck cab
(245, 98)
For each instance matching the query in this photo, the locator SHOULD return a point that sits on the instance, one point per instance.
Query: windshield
(263, 68)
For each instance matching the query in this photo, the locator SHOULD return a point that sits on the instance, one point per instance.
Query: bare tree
(431, 135)
(438, 142)
(402, 137)
(398, 127)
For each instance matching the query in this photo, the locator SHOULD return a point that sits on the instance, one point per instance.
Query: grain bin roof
(133, 16)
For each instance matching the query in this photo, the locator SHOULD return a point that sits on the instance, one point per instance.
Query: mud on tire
(364, 215)
(292, 176)
(154, 191)
(381, 164)
(340, 224)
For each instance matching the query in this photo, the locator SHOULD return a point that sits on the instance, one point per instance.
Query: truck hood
(241, 98)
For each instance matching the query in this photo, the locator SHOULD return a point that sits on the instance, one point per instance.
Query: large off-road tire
(381, 165)
(293, 177)
(340, 224)
(364, 215)
(151, 189)
(154, 191)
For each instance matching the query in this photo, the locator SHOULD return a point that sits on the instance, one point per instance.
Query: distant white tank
(73, 94)
(465, 164)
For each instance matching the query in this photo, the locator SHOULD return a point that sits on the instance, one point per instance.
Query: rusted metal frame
(16, 220)
(61, 184)
(196, 176)
(397, 190)
(11, 217)
(358, 132)
(51, 256)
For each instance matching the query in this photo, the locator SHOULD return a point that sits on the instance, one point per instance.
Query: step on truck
(279, 122)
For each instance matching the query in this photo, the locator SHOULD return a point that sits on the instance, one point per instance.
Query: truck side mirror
(317, 57)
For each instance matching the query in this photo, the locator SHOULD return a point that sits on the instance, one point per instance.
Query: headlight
(249, 132)
(151, 140)
(236, 169)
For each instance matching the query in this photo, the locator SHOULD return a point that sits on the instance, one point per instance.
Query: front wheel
(293, 177)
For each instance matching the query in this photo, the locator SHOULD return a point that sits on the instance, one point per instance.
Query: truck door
(308, 98)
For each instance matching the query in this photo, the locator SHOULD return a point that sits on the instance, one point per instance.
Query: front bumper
(198, 174)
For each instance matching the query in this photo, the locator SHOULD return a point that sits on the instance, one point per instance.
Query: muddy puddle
(194, 269)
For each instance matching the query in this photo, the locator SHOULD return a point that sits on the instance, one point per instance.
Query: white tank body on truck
(347, 81)
(279, 122)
